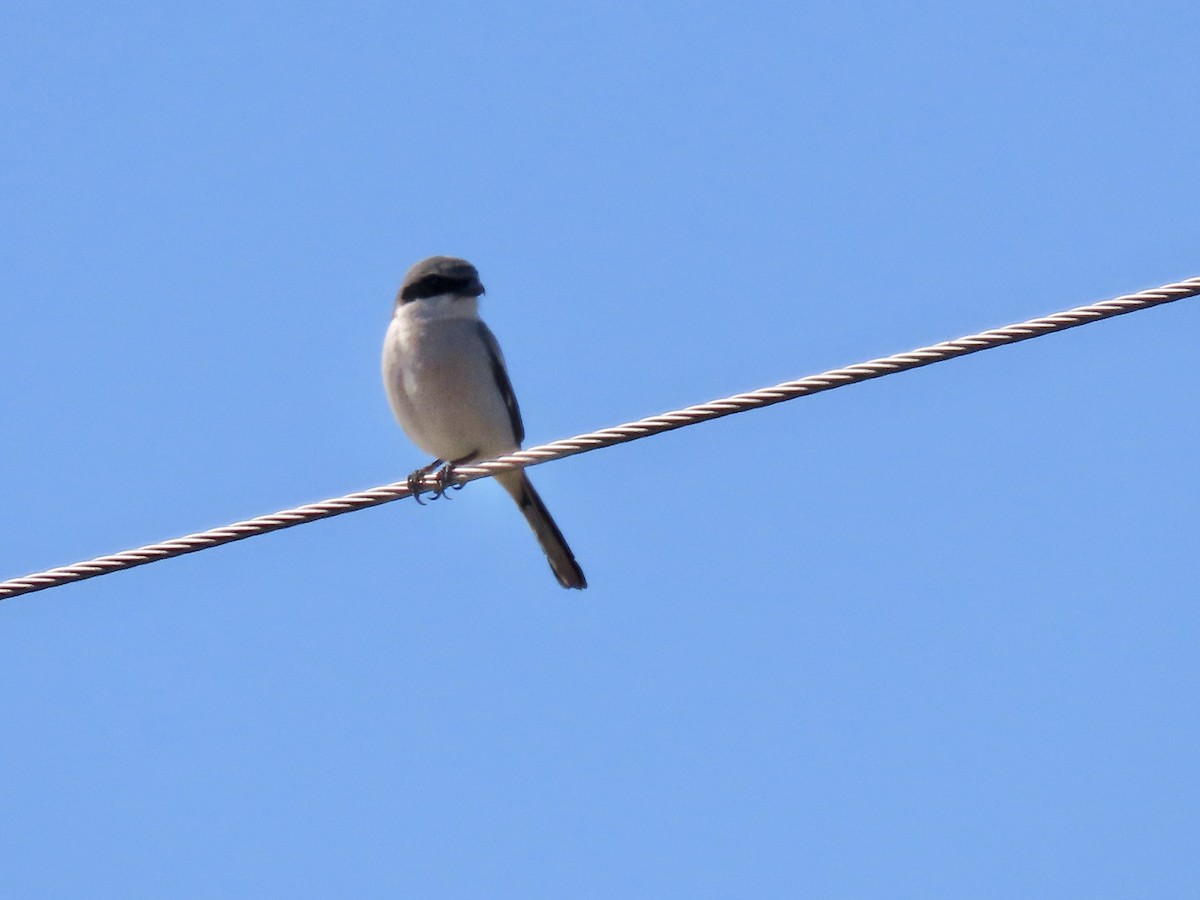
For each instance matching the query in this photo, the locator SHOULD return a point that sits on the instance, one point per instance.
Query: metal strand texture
(790, 390)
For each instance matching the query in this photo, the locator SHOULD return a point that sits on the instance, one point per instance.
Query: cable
(790, 390)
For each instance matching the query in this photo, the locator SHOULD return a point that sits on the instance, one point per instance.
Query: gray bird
(448, 387)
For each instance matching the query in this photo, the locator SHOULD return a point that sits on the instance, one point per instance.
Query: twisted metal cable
(789, 390)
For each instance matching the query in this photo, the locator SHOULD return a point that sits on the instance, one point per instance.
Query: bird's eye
(432, 286)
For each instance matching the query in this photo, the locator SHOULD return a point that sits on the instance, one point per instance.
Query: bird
(448, 386)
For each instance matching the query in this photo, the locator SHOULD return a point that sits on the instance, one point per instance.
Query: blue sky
(934, 635)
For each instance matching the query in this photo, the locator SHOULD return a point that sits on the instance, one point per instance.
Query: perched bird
(448, 387)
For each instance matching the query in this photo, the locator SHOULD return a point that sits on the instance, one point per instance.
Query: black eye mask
(432, 285)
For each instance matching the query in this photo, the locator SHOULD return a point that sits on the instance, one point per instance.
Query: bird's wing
(502, 383)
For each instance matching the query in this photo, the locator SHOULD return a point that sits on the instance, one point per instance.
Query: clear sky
(935, 635)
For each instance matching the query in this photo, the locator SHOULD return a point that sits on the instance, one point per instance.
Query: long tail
(562, 560)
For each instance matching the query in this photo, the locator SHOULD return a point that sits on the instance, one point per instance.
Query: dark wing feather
(502, 382)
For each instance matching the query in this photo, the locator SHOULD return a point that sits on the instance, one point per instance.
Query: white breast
(439, 379)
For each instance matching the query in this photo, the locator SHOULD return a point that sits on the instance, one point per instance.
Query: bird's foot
(444, 482)
(416, 482)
